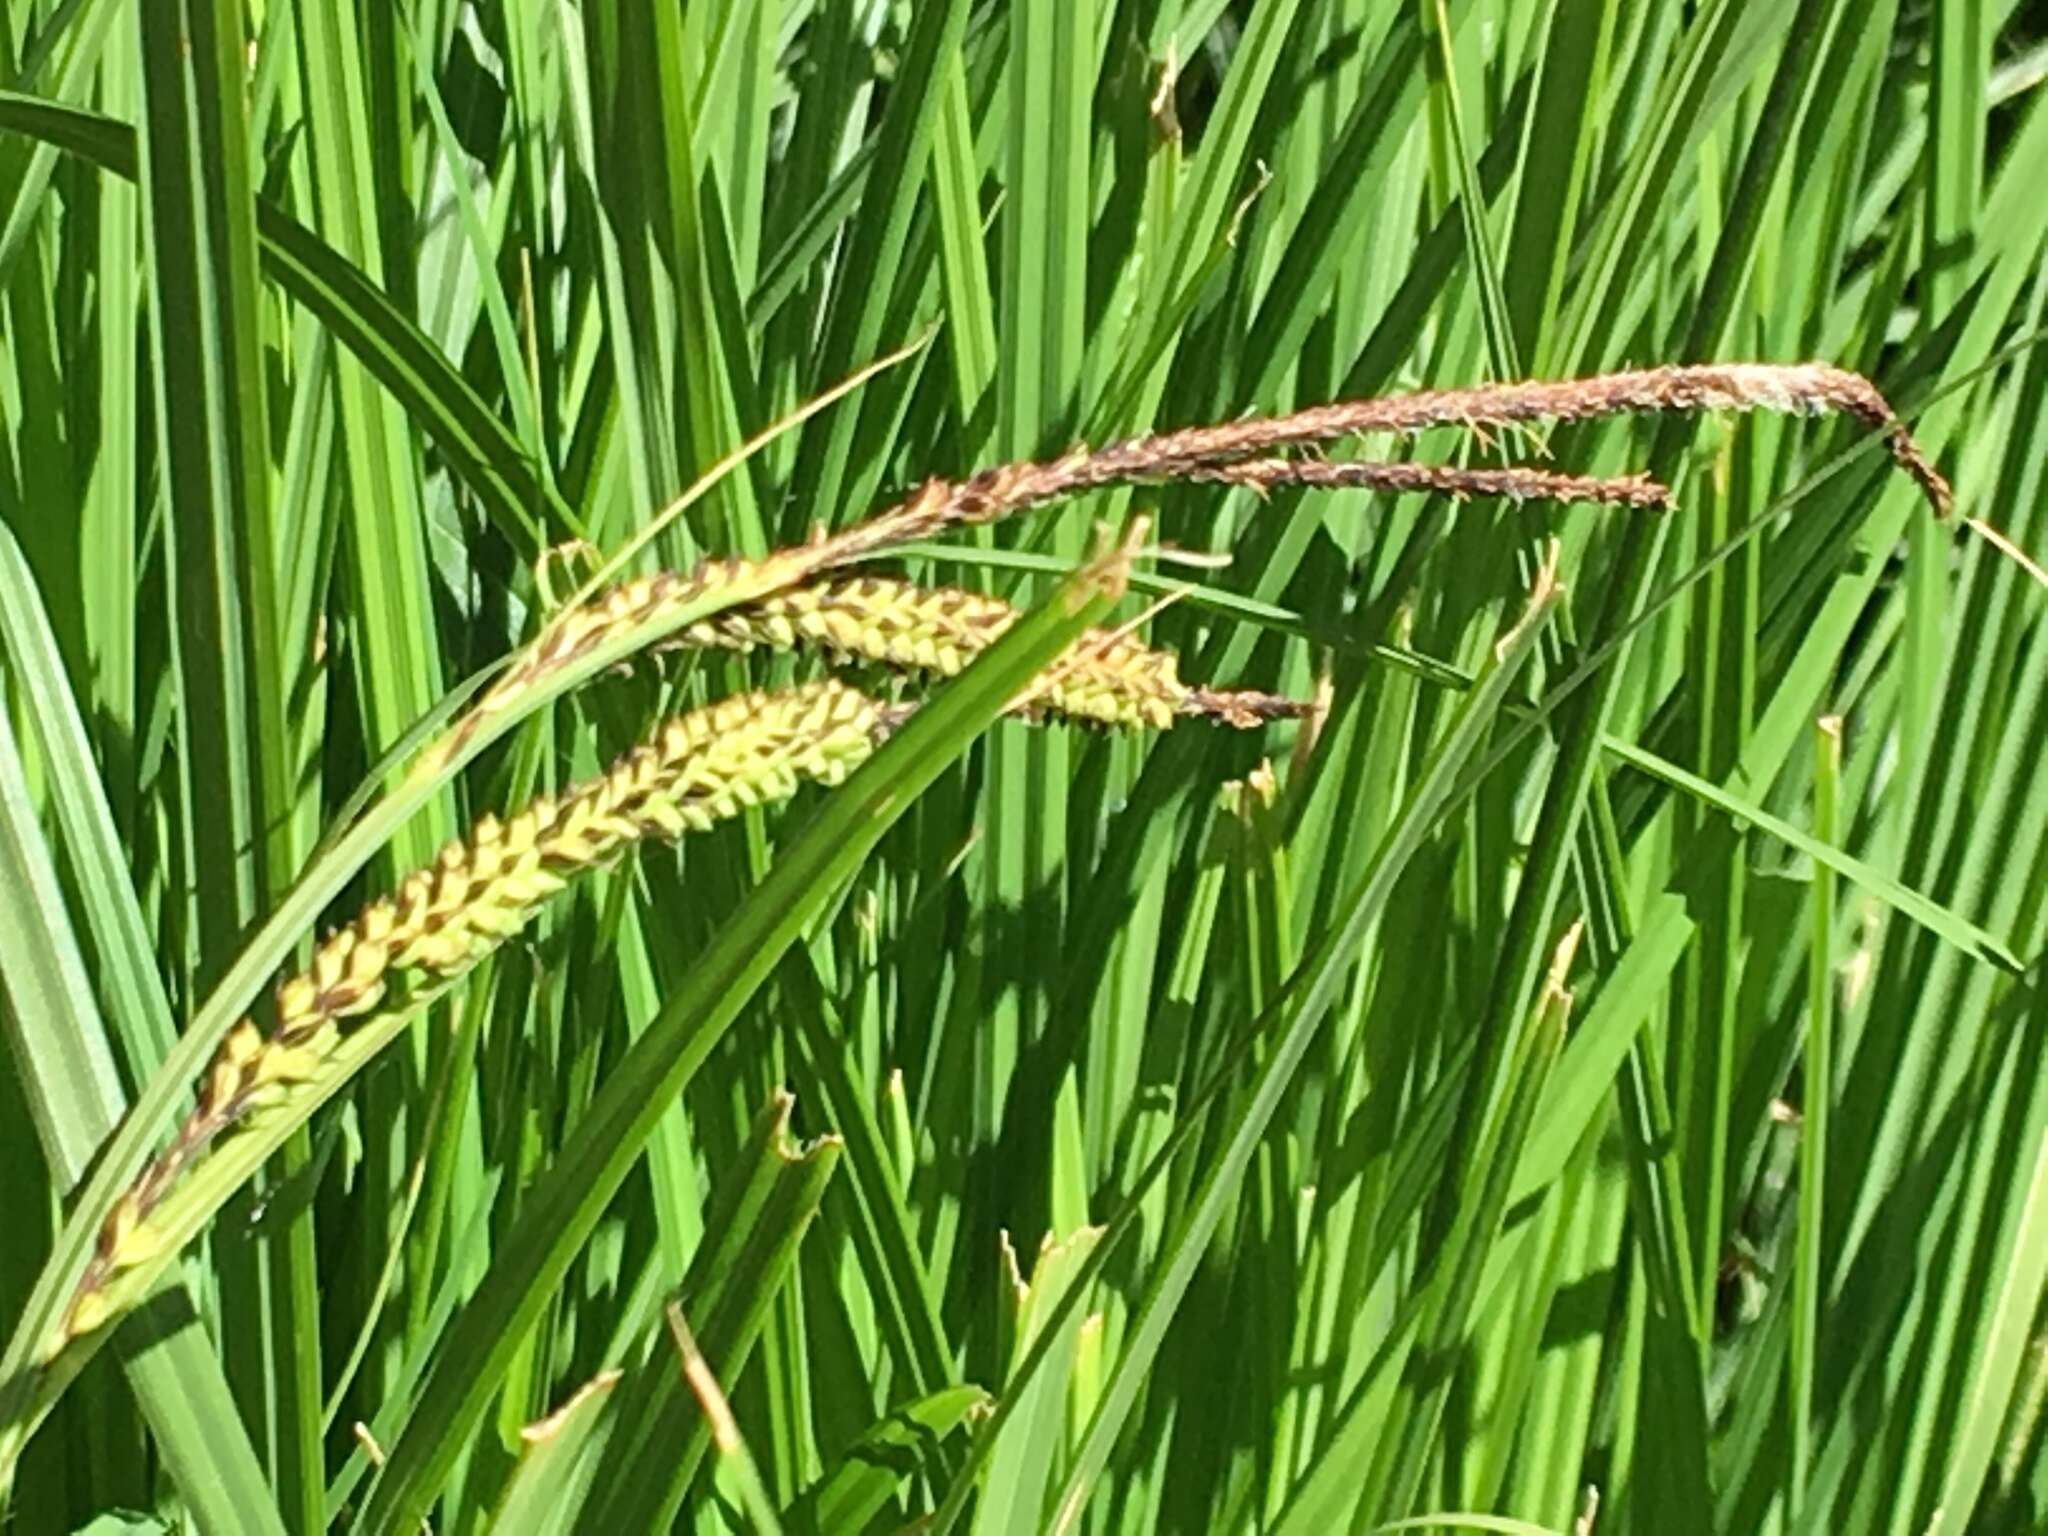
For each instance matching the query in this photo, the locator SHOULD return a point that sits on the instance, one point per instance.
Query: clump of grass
(402, 949)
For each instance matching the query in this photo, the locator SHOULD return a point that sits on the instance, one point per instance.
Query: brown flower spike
(1198, 453)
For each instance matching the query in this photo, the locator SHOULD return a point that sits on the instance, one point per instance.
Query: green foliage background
(1221, 1127)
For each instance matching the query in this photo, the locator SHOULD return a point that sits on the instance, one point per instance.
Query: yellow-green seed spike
(692, 771)
(1106, 678)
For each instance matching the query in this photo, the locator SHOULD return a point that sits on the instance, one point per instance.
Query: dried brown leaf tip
(693, 771)
(1105, 678)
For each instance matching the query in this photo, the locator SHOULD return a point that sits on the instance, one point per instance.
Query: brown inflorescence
(1197, 452)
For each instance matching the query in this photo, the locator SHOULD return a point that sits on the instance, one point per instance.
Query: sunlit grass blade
(391, 345)
(134, 993)
(673, 1405)
(548, 1482)
(67, 1072)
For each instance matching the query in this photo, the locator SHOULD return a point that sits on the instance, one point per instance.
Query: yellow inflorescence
(1105, 678)
(696, 770)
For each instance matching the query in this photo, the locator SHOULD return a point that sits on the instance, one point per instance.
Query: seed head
(401, 949)
(1104, 678)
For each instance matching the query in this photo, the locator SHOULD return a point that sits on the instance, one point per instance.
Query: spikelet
(626, 604)
(1104, 678)
(625, 616)
(692, 772)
